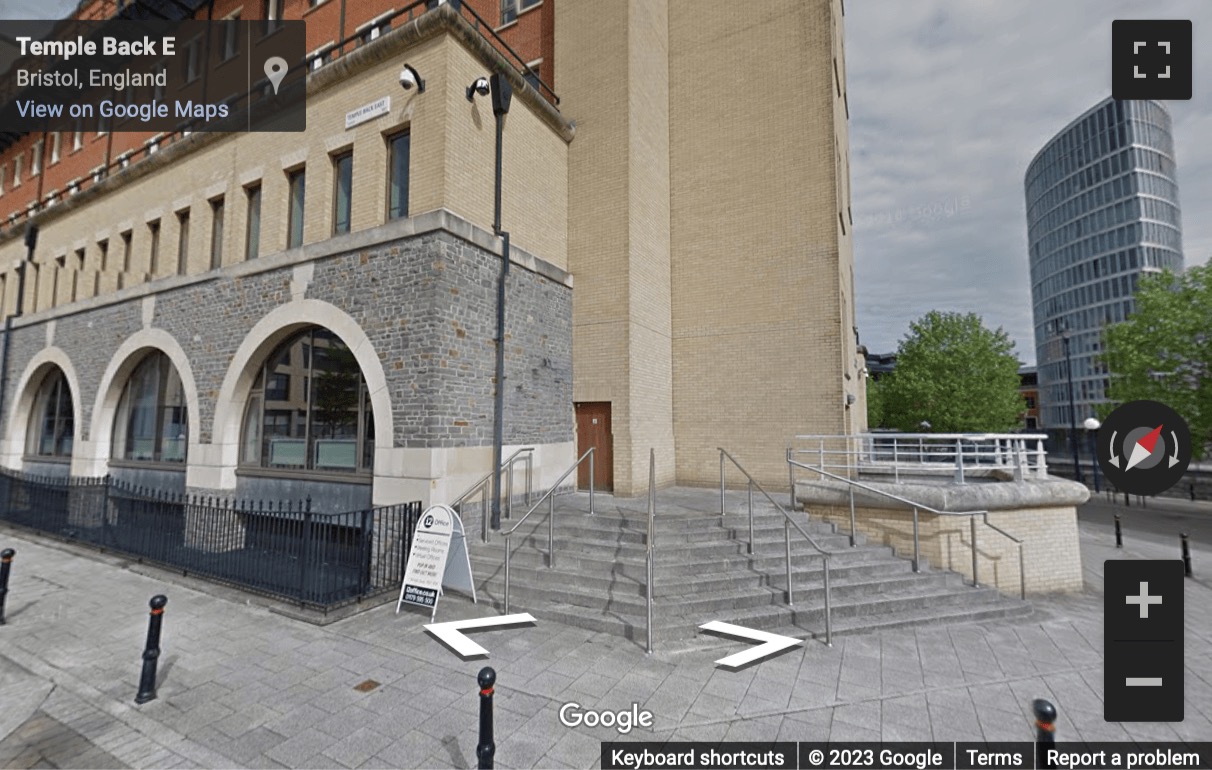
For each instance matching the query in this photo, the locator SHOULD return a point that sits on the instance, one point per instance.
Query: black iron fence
(281, 549)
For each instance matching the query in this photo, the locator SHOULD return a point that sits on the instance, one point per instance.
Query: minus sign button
(1143, 681)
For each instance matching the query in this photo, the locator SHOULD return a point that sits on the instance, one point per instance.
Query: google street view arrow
(450, 633)
(772, 644)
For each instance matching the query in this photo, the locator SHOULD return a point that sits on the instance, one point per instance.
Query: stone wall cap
(1052, 492)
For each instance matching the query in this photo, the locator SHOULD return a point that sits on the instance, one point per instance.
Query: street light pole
(1092, 425)
(1077, 468)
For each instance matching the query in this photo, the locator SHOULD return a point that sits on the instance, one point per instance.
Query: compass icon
(1144, 447)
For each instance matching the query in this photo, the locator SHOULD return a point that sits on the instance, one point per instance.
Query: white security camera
(409, 77)
(479, 87)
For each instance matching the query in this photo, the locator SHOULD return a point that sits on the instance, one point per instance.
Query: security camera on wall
(480, 86)
(410, 79)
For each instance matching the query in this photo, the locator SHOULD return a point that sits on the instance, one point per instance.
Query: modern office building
(268, 315)
(1102, 210)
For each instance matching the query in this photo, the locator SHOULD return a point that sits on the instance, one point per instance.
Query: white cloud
(949, 101)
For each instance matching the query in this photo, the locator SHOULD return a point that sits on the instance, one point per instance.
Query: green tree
(1163, 352)
(955, 374)
(875, 403)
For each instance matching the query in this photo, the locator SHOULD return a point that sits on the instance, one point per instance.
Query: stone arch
(271, 330)
(19, 413)
(109, 390)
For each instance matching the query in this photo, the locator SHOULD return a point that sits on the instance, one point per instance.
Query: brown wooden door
(593, 430)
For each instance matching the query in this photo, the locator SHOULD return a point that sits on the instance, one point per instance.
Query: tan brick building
(681, 242)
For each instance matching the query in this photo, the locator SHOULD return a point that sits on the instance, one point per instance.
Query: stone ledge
(992, 496)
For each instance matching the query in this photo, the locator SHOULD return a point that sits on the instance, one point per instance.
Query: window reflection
(309, 409)
(52, 421)
(152, 420)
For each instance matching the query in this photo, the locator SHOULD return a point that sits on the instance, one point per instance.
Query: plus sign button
(1143, 640)
(1151, 59)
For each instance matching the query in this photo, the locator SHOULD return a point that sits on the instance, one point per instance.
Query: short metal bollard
(1045, 731)
(486, 749)
(1119, 534)
(6, 563)
(151, 653)
(1186, 557)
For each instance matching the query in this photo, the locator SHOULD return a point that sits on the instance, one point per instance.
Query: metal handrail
(486, 489)
(651, 544)
(549, 495)
(788, 523)
(984, 514)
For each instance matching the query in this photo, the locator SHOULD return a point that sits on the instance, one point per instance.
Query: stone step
(636, 533)
(627, 597)
(570, 544)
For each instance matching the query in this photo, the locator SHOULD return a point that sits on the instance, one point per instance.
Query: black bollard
(151, 653)
(1191, 490)
(486, 749)
(6, 563)
(1186, 558)
(1127, 500)
(1119, 535)
(1045, 732)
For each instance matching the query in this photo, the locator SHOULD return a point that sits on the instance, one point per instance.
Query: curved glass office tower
(1102, 208)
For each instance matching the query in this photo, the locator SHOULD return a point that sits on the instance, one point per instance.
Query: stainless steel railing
(788, 523)
(549, 496)
(484, 487)
(899, 454)
(916, 507)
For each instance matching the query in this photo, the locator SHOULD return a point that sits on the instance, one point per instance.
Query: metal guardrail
(959, 454)
(788, 523)
(485, 488)
(549, 496)
(916, 507)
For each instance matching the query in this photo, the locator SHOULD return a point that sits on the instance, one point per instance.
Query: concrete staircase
(703, 572)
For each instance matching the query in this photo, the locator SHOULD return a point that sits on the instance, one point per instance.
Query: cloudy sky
(949, 101)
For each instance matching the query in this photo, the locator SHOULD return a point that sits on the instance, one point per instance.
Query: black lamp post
(1077, 468)
(1092, 425)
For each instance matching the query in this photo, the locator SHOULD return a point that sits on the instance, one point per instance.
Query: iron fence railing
(1021, 455)
(283, 549)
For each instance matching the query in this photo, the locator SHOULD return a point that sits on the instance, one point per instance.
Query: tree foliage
(955, 374)
(875, 403)
(1163, 352)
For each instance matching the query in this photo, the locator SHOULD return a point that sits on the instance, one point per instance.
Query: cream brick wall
(762, 336)
(1051, 551)
(450, 167)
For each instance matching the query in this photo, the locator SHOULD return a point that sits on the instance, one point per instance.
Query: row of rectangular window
(397, 207)
(1159, 234)
(1110, 115)
(1093, 220)
(1086, 272)
(1107, 171)
(1089, 294)
(1061, 191)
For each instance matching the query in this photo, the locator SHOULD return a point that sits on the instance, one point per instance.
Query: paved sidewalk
(241, 686)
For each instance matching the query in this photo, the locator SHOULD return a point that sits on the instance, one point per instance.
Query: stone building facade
(706, 223)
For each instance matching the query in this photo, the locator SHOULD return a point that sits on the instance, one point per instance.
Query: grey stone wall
(428, 306)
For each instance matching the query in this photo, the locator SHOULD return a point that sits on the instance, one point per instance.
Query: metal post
(1073, 439)
(751, 516)
(822, 466)
(916, 546)
(791, 478)
(509, 490)
(151, 651)
(529, 475)
(507, 573)
(1186, 554)
(896, 468)
(648, 598)
(590, 482)
(486, 749)
(959, 461)
(1119, 534)
(787, 544)
(1022, 574)
(1045, 732)
(484, 509)
(651, 496)
(550, 531)
(852, 535)
(6, 563)
(721, 482)
(975, 580)
(828, 608)
(1094, 459)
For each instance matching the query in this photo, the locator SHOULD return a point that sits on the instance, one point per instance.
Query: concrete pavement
(243, 686)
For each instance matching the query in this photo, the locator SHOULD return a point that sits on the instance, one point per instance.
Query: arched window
(152, 420)
(52, 423)
(309, 409)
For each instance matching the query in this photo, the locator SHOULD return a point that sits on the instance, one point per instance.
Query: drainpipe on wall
(502, 93)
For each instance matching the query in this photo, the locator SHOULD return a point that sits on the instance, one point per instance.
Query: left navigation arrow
(771, 644)
(450, 633)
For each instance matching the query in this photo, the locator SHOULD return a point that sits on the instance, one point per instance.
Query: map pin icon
(275, 70)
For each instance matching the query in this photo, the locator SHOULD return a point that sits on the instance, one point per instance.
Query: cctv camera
(409, 78)
(479, 87)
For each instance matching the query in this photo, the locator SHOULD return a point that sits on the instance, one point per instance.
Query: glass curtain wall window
(151, 424)
(52, 423)
(309, 409)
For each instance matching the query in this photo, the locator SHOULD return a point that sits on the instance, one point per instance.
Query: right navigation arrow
(771, 643)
